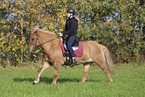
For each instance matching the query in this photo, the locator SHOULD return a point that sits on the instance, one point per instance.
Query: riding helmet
(71, 10)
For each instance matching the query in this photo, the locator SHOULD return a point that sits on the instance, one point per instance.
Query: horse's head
(40, 37)
(34, 42)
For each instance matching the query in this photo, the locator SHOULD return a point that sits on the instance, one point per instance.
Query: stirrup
(66, 62)
(74, 62)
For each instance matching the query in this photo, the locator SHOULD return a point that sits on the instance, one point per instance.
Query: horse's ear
(35, 30)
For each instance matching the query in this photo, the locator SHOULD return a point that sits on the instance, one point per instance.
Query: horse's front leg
(44, 66)
(56, 72)
(86, 73)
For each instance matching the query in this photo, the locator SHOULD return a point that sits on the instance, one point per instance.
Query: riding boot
(66, 62)
(73, 63)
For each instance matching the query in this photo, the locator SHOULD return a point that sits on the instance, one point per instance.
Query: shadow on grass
(49, 80)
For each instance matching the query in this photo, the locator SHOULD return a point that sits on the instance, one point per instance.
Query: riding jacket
(71, 26)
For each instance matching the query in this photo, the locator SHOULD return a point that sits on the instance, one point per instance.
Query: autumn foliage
(117, 24)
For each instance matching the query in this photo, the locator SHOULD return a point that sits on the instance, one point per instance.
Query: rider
(70, 30)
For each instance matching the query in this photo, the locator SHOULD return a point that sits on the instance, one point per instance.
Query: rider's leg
(70, 41)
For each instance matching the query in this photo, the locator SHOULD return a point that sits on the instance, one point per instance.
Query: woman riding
(70, 30)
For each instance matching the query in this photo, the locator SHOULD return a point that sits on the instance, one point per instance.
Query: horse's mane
(43, 31)
(48, 32)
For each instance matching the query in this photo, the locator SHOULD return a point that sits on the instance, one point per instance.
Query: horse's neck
(49, 43)
(52, 47)
(45, 37)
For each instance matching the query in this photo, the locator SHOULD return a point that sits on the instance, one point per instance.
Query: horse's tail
(108, 60)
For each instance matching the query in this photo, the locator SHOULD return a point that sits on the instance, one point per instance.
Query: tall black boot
(73, 63)
(66, 61)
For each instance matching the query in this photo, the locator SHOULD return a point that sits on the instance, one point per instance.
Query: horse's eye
(33, 39)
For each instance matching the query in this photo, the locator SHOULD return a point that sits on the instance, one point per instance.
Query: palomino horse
(51, 45)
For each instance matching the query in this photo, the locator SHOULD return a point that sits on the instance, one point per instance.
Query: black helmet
(71, 10)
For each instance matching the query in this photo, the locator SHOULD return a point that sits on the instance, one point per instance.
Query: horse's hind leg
(86, 73)
(44, 66)
(105, 69)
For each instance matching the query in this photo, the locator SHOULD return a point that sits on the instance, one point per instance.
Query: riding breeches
(70, 40)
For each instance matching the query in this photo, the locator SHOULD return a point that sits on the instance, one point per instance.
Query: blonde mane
(47, 32)
(37, 29)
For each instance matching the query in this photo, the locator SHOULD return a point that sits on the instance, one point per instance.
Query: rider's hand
(60, 34)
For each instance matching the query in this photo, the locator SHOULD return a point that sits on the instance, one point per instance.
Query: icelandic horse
(93, 52)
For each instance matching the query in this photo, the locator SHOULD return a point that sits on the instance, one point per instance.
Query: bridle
(37, 39)
(35, 43)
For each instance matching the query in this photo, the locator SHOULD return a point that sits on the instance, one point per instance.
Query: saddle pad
(78, 51)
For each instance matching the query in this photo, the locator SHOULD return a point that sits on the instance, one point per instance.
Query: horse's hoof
(35, 83)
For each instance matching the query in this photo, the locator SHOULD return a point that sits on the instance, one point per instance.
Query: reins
(47, 41)
(35, 43)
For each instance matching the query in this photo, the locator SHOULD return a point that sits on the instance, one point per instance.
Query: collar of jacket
(72, 18)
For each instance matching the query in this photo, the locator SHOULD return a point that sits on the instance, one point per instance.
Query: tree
(117, 24)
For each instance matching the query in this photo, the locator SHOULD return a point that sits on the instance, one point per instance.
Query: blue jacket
(71, 26)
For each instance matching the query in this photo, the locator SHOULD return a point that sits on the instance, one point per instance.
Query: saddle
(75, 45)
(77, 48)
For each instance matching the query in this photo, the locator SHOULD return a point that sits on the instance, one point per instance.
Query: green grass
(18, 82)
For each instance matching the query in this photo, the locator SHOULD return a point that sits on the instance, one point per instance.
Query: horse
(93, 52)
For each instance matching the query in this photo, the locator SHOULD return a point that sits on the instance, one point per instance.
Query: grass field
(18, 82)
